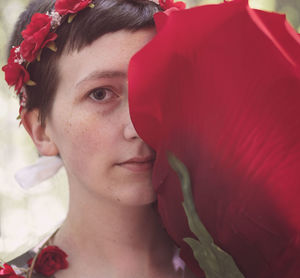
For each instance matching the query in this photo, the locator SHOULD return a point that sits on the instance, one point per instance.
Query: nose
(129, 130)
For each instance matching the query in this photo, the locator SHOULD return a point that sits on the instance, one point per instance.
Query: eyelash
(107, 91)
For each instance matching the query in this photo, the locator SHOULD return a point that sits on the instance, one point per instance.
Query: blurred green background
(28, 216)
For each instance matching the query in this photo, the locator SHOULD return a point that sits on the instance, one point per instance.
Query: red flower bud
(36, 36)
(50, 260)
(8, 272)
(168, 4)
(64, 7)
(15, 75)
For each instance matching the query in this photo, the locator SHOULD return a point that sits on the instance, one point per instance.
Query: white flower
(55, 18)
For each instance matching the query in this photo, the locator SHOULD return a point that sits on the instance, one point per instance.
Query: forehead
(111, 52)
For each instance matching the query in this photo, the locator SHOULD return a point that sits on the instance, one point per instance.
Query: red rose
(8, 272)
(36, 35)
(50, 260)
(167, 4)
(223, 96)
(64, 7)
(15, 75)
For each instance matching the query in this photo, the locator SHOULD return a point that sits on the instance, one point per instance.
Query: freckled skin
(92, 137)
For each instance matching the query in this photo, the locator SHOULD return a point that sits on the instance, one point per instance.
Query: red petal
(37, 22)
(50, 37)
(219, 87)
(64, 7)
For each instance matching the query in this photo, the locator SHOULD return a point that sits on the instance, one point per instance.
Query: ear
(37, 131)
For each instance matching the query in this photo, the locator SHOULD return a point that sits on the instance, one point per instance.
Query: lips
(138, 164)
(140, 159)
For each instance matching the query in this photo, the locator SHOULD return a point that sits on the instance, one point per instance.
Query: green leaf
(38, 57)
(30, 83)
(52, 46)
(71, 17)
(215, 262)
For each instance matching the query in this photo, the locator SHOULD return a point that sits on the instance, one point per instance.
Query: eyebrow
(101, 74)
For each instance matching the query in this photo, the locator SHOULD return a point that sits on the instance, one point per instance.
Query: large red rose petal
(219, 86)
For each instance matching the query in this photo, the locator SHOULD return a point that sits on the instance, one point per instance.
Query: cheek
(84, 141)
(88, 137)
(79, 137)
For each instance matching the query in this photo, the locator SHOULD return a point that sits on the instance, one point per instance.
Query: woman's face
(90, 123)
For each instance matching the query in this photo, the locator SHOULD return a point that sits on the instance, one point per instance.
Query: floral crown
(40, 33)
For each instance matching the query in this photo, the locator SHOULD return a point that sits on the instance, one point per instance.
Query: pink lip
(139, 159)
(138, 164)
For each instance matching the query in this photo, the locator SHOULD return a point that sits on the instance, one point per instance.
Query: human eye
(102, 94)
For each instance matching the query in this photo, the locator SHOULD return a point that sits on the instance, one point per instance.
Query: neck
(130, 237)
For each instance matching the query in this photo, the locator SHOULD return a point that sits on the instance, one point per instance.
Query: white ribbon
(178, 263)
(43, 169)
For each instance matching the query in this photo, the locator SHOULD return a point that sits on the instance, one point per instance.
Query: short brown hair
(107, 16)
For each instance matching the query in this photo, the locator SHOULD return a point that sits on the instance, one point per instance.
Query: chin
(138, 194)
